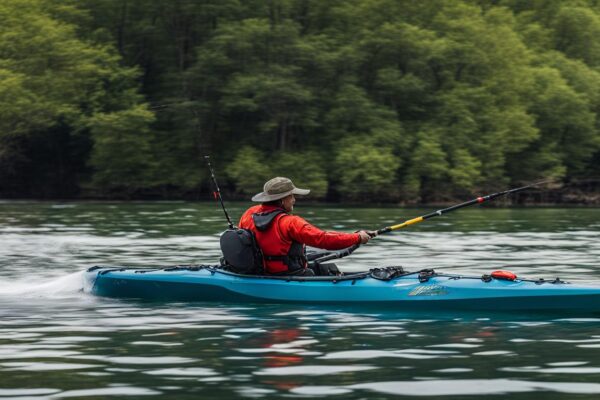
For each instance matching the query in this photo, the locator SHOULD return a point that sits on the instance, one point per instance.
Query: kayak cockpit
(384, 273)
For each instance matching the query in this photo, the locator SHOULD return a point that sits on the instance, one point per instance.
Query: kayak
(391, 286)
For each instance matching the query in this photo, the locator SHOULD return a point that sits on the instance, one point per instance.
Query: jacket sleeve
(297, 229)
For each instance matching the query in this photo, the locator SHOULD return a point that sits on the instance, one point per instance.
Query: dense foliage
(356, 99)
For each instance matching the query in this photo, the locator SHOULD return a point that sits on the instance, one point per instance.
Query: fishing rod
(477, 200)
(346, 252)
(217, 193)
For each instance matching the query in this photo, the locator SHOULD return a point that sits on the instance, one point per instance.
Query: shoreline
(571, 194)
(349, 204)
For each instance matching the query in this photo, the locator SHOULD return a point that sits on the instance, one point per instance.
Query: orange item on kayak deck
(504, 275)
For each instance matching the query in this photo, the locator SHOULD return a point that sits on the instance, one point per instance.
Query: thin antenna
(217, 193)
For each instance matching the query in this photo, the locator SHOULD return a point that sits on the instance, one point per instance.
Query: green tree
(416, 101)
(306, 169)
(122, 152)
(250, 170)
(576, 31)
(51, 84)
(366, 171)
(258, 87)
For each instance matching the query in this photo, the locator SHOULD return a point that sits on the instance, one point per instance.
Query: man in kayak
(282, 237)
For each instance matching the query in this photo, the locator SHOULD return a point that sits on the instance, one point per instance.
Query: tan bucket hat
(278, 188)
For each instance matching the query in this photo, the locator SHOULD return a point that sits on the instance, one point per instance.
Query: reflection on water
(56, 342)
(225, 351)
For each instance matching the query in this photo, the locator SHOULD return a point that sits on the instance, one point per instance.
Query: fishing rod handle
(400, 226)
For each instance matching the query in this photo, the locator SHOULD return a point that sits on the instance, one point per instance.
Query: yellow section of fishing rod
(406, 223)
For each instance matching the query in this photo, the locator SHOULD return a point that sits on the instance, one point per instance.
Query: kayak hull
(406, 292)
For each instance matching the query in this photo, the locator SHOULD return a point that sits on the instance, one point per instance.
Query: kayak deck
(403, 290)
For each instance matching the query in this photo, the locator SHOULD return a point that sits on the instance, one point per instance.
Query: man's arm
(297, 229)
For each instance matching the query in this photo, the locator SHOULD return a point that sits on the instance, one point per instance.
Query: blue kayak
(393, 287)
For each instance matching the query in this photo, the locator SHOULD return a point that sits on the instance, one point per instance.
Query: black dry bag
(241, 253)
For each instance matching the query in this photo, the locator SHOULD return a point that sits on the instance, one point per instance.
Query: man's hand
(365, 236)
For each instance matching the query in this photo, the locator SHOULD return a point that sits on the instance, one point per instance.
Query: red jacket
(285, 229)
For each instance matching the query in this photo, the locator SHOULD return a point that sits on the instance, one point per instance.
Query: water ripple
(453, 388)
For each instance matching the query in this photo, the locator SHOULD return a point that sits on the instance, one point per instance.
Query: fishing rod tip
(554, 184)
(551, 182)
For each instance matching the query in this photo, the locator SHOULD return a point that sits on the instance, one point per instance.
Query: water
(56, 342)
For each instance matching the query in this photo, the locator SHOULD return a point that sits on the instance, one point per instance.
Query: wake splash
(64, 286)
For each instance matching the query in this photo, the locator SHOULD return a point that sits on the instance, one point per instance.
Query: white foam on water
(40, 286)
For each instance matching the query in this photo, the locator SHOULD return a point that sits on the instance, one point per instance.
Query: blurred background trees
(357, 99)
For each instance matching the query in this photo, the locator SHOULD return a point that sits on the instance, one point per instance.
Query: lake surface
(57, 342)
